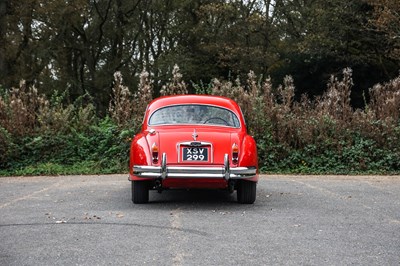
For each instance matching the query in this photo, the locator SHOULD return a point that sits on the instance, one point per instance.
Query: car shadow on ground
(202, 199)
(192, 196)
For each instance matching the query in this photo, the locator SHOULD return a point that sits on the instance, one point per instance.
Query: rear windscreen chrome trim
(188, 124)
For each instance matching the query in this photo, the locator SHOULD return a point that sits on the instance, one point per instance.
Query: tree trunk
(3, 29)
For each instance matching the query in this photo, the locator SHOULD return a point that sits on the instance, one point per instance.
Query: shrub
(41, 135)
(126, 109)
(6, 147)
(324, 135)
(18, 109)
(176, 85)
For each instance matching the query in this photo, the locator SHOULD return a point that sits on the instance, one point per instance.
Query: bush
(6, 147)
(41, 135)
(321, 136)
(102, 148)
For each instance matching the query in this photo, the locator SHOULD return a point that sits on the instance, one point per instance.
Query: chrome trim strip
(201, 143)
(226, 167)
(164, 166)
(212, 105)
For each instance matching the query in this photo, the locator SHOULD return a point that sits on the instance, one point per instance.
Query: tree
(231, 37)
(23, 54)
(3, 29)
(320, 38)
(386, 19)
(78, 45)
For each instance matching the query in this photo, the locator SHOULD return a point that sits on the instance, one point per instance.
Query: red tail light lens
(235, 153)
(154, 152)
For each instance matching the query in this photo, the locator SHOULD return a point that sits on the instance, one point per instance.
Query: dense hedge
(48, 135)
(101, 148)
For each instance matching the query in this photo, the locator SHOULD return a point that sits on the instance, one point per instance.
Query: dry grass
(280, 124)
(18, 109)
(296, 124)
(23, 111)
(125, 108)
(176, 85)
(328, 119)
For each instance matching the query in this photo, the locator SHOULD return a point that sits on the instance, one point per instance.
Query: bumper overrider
(165, 171)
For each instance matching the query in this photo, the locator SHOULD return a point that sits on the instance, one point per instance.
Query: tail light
(235, 153)
(154, 152)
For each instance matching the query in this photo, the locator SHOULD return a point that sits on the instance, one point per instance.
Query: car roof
(218, 101)
(194, 99)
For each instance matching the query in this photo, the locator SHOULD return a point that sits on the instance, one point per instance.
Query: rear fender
(248, 154)
(139, 154)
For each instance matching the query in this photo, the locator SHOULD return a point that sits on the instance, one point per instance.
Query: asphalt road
(296, 220)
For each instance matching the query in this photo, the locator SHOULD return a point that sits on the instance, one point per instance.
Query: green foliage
(321, 136)
(201, 88)
(79, 45)
(6, 146)
(359, 155)
(103, 148)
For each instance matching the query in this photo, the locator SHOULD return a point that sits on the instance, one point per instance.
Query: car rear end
(211, 150)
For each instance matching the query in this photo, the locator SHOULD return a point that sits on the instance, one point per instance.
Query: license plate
(195, 154)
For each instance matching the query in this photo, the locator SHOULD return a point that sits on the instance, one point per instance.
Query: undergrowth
(42, 135)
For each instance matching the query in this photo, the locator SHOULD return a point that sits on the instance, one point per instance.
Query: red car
(193, 141)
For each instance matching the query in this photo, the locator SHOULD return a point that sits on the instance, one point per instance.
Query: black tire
(140, 192)
(246, 192)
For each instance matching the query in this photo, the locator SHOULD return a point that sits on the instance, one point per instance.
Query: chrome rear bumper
(165, 171)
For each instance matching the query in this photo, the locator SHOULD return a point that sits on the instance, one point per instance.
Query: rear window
(194, 114)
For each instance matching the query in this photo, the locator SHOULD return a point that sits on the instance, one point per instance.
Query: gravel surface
(296, 220)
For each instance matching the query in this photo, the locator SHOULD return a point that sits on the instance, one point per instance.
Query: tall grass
(49, 135)
(325, 135)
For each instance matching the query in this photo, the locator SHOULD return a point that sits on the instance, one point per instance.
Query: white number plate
(195, 154)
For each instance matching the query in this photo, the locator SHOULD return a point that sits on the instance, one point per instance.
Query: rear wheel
(246, 192)
(140, 192)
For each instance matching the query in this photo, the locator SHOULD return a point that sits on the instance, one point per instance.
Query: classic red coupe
(193, 141)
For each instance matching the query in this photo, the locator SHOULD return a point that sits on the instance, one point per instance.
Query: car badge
(194, 135)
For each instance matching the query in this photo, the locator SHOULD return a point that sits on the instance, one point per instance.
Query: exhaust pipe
(158, 185)
(231, 186)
